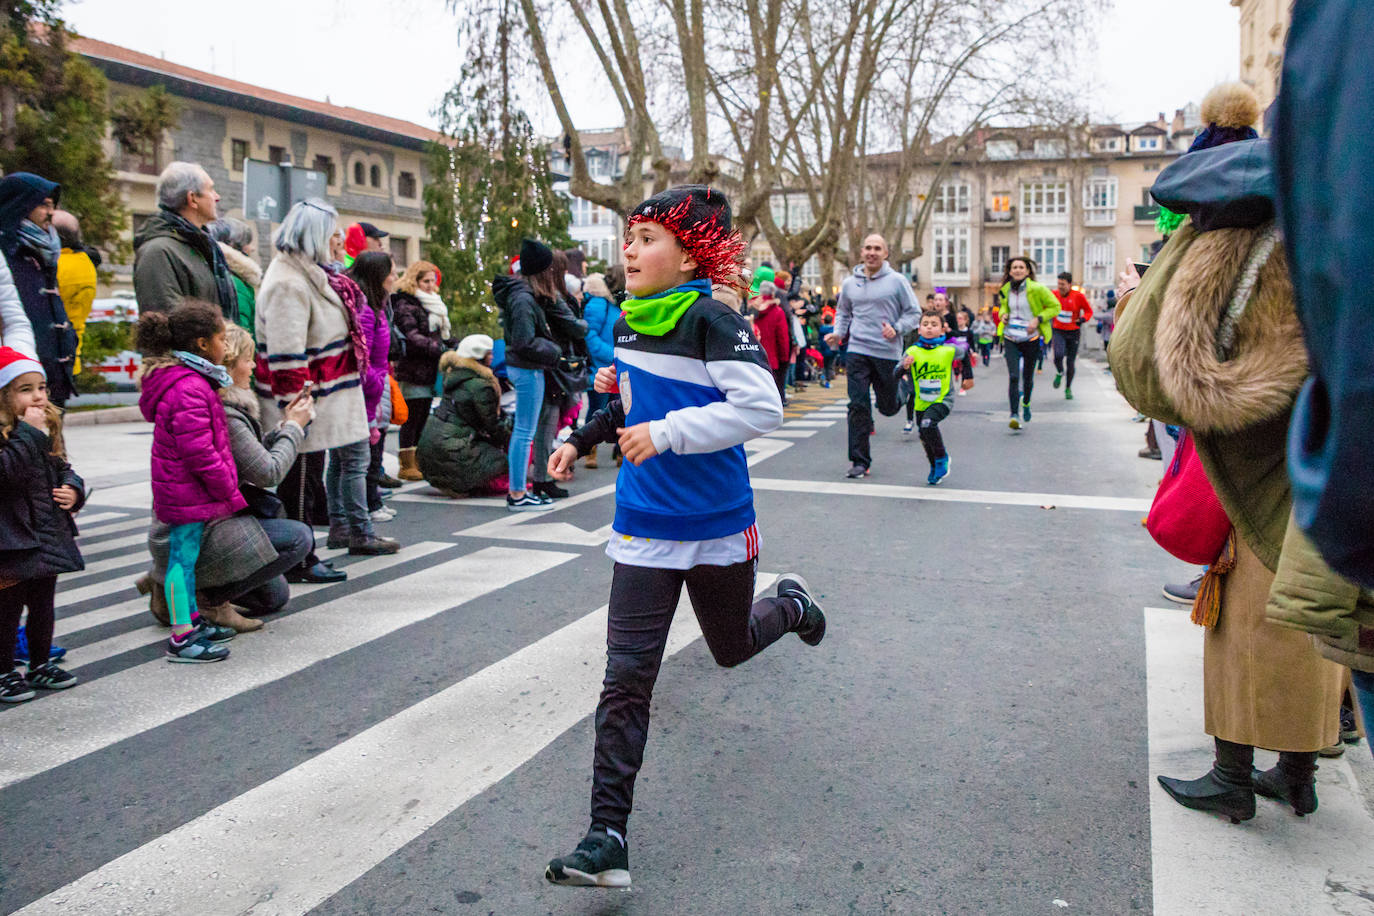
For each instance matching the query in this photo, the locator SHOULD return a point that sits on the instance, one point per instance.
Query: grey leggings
(550, 413)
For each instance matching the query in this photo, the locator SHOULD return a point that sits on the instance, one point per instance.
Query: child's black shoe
(51, 677)
(600, 860)
(811, 627)
(14, 689)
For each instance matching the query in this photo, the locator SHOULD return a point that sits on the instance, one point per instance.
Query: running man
(876, 308)
(1074, 312)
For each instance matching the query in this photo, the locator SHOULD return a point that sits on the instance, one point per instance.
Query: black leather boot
(1293, 781)
(1225, 790)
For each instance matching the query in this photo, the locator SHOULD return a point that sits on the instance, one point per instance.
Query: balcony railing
(1146, 214)
(1099, 216)
(999, 216)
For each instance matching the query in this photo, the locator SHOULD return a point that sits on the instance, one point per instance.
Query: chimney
(1163, 124)
(1179, 124)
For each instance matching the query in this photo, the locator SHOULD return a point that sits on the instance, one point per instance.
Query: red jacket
(1074, 311)
(774, 334)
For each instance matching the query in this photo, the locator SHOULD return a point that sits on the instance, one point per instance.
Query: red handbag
(1186, 518)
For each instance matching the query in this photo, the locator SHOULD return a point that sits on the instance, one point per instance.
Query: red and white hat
(14, 364)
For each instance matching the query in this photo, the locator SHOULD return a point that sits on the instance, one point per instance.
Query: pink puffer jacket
(194, 478)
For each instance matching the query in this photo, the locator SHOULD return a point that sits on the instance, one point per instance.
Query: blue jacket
(54, 337)
(1325, 200)
(705, 389)
(601, 315)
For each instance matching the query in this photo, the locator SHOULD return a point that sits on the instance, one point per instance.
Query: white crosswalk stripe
(89, 531)
(39, 736)
(267, 842)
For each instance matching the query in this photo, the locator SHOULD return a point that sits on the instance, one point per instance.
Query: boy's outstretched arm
(737, 366)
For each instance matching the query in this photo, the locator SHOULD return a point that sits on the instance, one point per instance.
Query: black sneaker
(215, 633)
(193, 648)
(600, 860)
(549, 490)
(811, 628)
(528, 502)
(1350, 731)
(857, 471)
(1183, 594)
(14, 689)
(51, 677)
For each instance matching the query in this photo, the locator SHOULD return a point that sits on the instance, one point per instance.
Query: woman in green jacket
(462, 448)
(1025, 309)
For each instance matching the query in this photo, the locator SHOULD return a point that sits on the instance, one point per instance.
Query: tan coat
(1264, 685)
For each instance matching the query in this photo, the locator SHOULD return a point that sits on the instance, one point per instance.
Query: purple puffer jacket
(194, 478)
(377, 330)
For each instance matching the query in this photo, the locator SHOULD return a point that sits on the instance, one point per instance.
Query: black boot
(1293, 781)
(1225, 790)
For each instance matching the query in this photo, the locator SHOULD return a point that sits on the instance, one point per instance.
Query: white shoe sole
(1175, 599)
(612, 877)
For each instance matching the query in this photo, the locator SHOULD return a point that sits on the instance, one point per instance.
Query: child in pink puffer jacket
(193, 474)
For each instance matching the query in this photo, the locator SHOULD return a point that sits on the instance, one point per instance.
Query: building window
(1099, 256)
(1107, 144)
(405, 184)
(951, 250)
(277, 155)
(1001, 149)
(1050, 254)
(398, 251)
(359, 174)
(1146, 143)
(951, 198)
(1099, 201)
(238, 153)
(326, 165)
(1051, 148)
(1044, 198)
(375, 176)
(997, 264)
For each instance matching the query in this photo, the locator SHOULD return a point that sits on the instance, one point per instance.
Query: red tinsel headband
(702, 226)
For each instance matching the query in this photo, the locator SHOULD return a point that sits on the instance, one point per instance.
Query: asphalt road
(973, 735)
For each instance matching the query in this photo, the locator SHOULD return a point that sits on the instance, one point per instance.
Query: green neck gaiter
(659, 315)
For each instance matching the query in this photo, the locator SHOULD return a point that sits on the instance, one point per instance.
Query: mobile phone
(1140, 267)
(305, 391)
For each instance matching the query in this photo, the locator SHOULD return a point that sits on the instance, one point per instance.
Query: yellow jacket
(76, 286)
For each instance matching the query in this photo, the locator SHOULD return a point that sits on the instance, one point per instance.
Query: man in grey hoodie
(876, 308)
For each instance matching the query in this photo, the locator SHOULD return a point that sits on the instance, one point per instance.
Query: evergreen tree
(489, 186)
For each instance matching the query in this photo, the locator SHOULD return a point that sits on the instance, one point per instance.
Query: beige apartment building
(1076, 201)
(369, 166)
(1263, 31)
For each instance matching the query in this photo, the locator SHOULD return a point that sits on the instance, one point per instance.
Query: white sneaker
(909, 426)
(962, 392)
(384, 514)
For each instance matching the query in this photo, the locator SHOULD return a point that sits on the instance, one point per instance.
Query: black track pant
(643, 599)
(862, 372)
(1066, 350)
(37, 596)
(928, 423)
(302, 493)
(1021, 357)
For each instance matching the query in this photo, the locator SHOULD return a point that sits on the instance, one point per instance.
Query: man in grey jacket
(876, 308)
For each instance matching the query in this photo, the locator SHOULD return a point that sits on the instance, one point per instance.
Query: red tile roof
(89, 47)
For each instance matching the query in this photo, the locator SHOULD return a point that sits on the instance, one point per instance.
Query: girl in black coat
(39, 493)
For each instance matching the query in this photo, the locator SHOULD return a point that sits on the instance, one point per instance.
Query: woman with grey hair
(309, 338)
(235, 238)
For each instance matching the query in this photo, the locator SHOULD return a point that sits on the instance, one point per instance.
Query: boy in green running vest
(930, 360)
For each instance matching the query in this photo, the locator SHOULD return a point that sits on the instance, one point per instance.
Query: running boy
(931, 363)
(694, 387)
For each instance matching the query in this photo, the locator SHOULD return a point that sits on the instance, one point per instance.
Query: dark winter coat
(173, 261)
(54, 336)
(193, 473)
(420, 364)
(463, 446)
(533, 329)
(37, 537)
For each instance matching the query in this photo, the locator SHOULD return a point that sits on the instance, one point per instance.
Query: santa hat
(355, 240)
(699, 217)
(14, 364)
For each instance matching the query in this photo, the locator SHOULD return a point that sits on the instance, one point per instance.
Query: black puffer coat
(463, 446)
(37, 537)
(420, 364)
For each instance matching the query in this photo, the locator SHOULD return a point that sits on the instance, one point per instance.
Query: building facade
(1078, 202)
(1263, 32)
(371, 167)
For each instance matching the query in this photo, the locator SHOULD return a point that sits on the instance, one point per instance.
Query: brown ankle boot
(157, 599)
(591, 459)
(410, 466)
(226, 615)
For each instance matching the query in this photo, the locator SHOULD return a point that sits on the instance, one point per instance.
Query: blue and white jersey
(704, 388)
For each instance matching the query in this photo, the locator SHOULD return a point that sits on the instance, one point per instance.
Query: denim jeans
(529, 400)
(1364, 693)
(266, 590)
(345, 488)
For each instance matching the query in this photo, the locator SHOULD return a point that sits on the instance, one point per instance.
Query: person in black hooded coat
(31, 247)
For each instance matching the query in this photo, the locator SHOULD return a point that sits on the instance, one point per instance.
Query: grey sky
(397, 57)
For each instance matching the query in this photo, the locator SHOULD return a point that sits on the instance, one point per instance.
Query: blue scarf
(42, 242)
(930, 343)
(214, 373)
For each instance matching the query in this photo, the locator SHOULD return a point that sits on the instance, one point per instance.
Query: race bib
(625, 391)
(1016, 329)
(928, 389)
(1066, 316)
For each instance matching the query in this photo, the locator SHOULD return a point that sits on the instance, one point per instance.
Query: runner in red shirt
(1074, 312)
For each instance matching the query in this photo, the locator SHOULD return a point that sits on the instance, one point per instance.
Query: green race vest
(932, 371)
